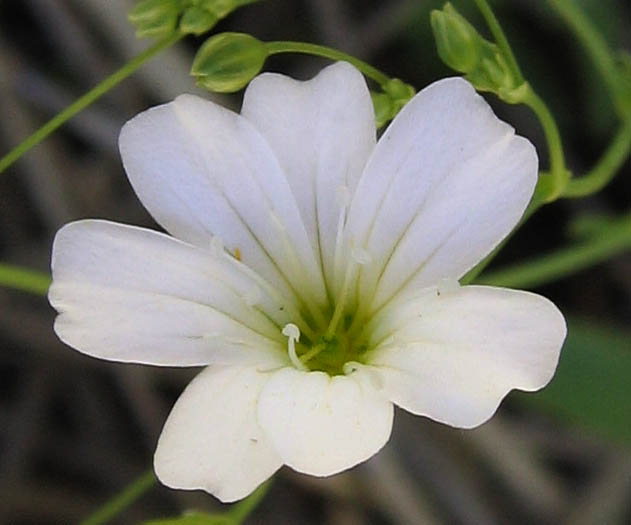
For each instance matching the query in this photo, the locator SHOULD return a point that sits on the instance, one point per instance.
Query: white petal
(454, 356)
(447, 181)
(202, 170)
(322, 131)
(130, 294)
(321, 425)
(212, 441)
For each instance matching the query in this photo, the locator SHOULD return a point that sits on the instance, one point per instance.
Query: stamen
(297, 269)
(292, 332)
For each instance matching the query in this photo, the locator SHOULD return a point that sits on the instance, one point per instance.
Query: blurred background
(75, 430)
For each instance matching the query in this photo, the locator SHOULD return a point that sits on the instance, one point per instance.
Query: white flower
(313, 271)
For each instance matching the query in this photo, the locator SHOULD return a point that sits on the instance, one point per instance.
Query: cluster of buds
(160, 18)
(463, 49)
(388, 103)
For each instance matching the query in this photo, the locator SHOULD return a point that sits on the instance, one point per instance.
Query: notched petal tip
(463, 355)
(322, 425)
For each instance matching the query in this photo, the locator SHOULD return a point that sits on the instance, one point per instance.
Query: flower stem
(122, 500)
(240, 511)
(24, 279)
(558, 171)
(87, 99)
(596, 47)
(614, 239)
(607, 166)
(500, 38)
(274, 48)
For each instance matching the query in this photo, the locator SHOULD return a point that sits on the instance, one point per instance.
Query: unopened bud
(222, 8)
(155, 18)
(228, 61)
(399, 92)
(196, 21)
(457, 40)
(384, 108)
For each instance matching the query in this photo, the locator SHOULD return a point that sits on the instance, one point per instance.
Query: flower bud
(155, 18)
(384, 108)
(462, 48)
(221, 8)
(400, 93)
(457, 40)
(228, 61)
(196, 21)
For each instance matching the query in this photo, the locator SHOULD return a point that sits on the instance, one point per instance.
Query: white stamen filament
(297, 270)
(292, 332)
(359, 256)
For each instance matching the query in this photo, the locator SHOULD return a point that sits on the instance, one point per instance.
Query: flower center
(328, 352)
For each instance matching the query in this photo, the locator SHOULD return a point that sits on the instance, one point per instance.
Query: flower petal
(130, 294)
(322, 132)
(321, 425)
(447, 181)
(202, 170)
(212, 441)
(454, 356)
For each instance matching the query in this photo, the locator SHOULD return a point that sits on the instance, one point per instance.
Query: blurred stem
(274, 48)
(240, 511)
(500, 39)
(23, 279)
(122, 500)
(596, 47)
(87, 99)
(559, 175)
(606, 168)
(614, 238)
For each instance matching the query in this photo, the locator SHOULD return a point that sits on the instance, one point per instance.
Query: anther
(292, 332)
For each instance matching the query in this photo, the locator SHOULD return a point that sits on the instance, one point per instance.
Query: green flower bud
(228, 61)
(457, 40)
(196, 21)
(399, 92)
(221, 8)
(384, 108)
(155, 18)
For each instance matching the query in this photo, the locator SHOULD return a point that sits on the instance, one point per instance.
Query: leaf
(591, 388)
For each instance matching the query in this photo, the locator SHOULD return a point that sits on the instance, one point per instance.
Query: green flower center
(329, 351)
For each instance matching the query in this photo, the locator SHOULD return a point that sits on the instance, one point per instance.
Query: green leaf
(194, 518)
(591, 386)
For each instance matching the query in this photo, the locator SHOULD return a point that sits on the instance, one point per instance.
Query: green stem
(23, 279)
(84, 101)
(615, 238)
(595, 46)
(274, 48)
(606, 168)
(240, 511)
(558, 171)
(122, 500)
(500, 39)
